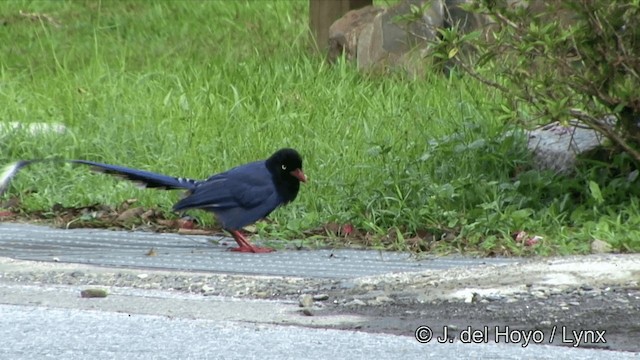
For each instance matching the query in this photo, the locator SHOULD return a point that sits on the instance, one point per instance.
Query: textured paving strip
(197, 253)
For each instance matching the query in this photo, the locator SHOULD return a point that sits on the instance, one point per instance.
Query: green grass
(192, 88)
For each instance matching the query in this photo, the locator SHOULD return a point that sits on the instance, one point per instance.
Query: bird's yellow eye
(284, 167)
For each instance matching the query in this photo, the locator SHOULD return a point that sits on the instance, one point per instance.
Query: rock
(398, 36)
(538, 294)
(261, 295)
(555, 292)
(185, 231)
(494, 297)
(33, 129)
(380, 300)
(593, 293)
(368, 293)
(130, 214)
(344, 32)
(355, 302)
(556, 147)
(468, 21)
(142, 276)
(320, 297)
(93, 293)
(600, 247)
(307, 311)
(77, 274)
(472, 298)
(149, 214)
(305, 301)
(347, 285)
(391, 41)
(375, 37)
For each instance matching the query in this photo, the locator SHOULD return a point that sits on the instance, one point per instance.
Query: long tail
(143, 178)
(9, 171)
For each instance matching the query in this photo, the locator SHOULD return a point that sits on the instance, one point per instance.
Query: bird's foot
(253, 249)
(245, 246)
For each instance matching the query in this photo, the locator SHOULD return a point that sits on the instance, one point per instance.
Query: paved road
(38, 332)
(46, 318)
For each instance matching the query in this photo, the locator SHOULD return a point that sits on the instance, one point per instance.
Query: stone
(33, 129)
(355, 302)
(320, 297)
(77, 274)
(307, 311)
(93, 293)
(305, 301)
(494, 297)
(556, 147)
(130, 214)
(600, 247)
(261, 295)
(344, 32)
(398, 36)
(380, 300)
(394, 33)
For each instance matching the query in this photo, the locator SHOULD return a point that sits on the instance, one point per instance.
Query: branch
(606, 131)
(506, 21)
(478, 77)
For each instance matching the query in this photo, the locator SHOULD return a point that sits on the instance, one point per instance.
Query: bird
(237, 197)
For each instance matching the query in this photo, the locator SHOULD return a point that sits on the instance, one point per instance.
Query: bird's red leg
(245, 246)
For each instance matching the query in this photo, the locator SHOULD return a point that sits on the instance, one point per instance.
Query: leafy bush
(557, 60)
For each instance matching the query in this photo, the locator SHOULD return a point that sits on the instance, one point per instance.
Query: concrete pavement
(43, 316)
(52, 322)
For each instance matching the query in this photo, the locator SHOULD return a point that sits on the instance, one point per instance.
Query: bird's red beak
(298, 174)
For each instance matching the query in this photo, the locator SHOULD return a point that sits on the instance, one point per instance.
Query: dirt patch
(589, 301)
(615, 315)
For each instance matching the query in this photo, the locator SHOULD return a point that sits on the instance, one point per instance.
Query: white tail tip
(8, 172)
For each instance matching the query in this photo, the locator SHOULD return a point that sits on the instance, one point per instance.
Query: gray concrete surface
(41, 332)
(153, 311)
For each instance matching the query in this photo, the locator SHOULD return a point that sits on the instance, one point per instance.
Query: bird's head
(287, 163)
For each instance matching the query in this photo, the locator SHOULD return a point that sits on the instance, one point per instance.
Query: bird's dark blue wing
(238, 197)
(145, 178)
